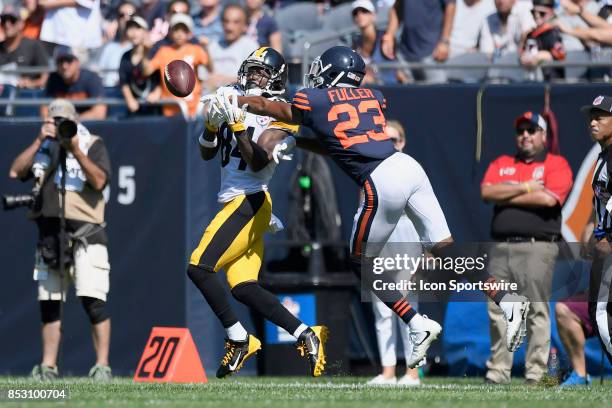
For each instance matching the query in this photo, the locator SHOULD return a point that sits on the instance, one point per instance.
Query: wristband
(527, 187)
(237, 127)
(207, 143)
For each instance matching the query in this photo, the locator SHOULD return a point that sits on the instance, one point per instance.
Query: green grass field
(245, 392)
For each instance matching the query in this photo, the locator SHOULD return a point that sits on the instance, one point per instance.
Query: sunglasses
(7, 18)
(539, 13)
(530, 130)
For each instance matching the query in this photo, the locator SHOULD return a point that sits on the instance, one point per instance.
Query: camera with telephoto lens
(66, 128)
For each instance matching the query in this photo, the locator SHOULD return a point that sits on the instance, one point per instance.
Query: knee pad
(49, 311)
(95, 308)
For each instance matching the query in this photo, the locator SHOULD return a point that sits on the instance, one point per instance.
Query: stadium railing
(9, 104)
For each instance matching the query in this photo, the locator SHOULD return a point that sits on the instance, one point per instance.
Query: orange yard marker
(170, 355)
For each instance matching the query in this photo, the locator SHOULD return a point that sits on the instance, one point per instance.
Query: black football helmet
(338, 66)
(263, 72)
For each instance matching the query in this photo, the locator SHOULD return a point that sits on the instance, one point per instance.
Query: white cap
(364, 4)
(138, 21)
(184, 19)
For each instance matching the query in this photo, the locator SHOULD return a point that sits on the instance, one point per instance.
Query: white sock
(236, 332)
(416, 322)
(301, 329)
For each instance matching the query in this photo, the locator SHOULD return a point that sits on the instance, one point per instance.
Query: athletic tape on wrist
(238, 127)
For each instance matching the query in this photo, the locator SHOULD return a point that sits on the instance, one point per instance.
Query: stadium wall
(152, 231)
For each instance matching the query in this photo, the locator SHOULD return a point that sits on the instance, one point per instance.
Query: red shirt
(553, 171)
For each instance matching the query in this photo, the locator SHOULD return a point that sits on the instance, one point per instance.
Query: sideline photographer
(86, 256)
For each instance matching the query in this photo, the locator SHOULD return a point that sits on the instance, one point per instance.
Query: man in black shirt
(70, 81)
(600, 284)
(88, 172)
(21, 51)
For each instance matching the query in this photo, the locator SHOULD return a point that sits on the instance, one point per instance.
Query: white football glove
(213, 113)
(227, 99)
(282, 151)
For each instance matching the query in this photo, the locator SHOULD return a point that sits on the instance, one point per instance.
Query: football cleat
(421, 339)
(311, 344)
(236, 353)
(515, 310)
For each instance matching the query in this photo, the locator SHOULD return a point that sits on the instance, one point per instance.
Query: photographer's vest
(83, 203)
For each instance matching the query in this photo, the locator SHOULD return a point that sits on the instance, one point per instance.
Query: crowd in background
(97, 45)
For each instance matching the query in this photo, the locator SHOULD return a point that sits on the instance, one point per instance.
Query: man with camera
(85, 256)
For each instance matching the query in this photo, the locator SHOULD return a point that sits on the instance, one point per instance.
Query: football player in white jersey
(233, 241)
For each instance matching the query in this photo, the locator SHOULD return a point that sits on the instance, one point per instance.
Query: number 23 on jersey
(356, 114)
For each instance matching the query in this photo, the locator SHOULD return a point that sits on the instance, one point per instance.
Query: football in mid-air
(179, 78)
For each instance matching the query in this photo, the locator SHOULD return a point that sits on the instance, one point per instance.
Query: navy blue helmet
(338, 66)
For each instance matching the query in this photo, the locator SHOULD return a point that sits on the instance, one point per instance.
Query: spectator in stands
(262, 26)
(70, 81)
(20, 51)
(112, 51)
(174, 7)
(528, 190)
(598, 30)
(181, 28)
(425, 35)
(543, 43)
(229, 52)
(368, 44)
(154, 11)
(34, 15)
(470, 16)
(208, 25)
(115, 23)
(135, 86)
(572, 21)
(73, 24)
(605, 11)
(504, 30)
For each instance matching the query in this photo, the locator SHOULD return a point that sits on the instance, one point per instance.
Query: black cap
(602, 103)
(545, 3)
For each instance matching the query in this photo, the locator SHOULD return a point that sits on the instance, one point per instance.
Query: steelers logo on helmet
(263, 72)
(338, 66)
